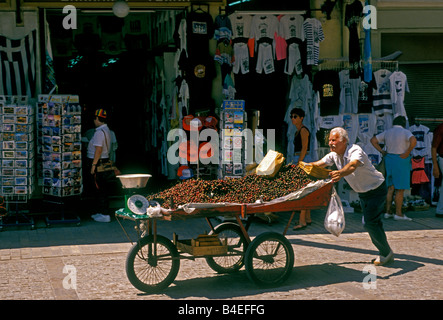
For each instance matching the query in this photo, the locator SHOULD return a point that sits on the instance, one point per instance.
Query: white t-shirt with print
(349, 91)
(399, 85)
(313, 35)
(241, 25)
(291, 26)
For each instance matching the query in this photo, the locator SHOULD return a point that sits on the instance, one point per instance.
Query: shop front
(154, 67)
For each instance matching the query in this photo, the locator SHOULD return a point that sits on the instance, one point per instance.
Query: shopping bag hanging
(335, 216)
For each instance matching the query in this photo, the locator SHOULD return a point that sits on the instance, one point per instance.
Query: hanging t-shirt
(399, 85)
(366, 126)
(383, 122)
(325, 125)
(373, 154)
(349, 92)
(291, 26)
(353, 14)
(327, 84)
(313, 35)
(200, 72)
(264, 26)
(350, 124)
(223, 27)
(382, 95)
(423, 147)
(365, 96)
(241, 25)
(200, 28)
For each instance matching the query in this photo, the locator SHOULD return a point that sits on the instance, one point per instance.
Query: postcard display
(233, 122)
(16, 155)
(60, 119)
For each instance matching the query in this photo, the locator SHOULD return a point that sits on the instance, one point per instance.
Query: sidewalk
(326, 267)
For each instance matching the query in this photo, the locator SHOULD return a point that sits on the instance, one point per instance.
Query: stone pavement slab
(326, 267)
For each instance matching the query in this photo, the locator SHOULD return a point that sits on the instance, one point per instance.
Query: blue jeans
(373, 205)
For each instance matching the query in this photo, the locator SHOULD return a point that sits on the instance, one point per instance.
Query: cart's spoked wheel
(237, 244)
(269, 259)
(151, 267)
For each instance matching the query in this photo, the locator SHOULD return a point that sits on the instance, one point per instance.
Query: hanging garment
(265, 58)
(353, 14)
(293, 61)
(423, 147)
(241, 58)
(382, 96)
(313, 35)
(349, 91)
(223, 27)
(399, 86)
(418, 171)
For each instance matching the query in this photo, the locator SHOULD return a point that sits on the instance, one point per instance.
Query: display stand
(60, 152)
(17, 214)
(232, 143)
(61, 215)
(16, 158)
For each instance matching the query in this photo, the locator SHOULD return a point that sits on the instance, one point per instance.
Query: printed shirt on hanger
(382, 96)
(291, 26)
(314, 35)
(264, 26)
(241, 25)
(399, 85)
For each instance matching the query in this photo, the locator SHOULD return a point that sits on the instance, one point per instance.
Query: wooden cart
(154, 261)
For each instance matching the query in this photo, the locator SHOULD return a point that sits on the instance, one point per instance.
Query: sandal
(299, 227)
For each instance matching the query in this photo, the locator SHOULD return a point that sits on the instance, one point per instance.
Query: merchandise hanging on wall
(61, 145)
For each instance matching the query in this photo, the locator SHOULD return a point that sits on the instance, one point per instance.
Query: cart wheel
(269, 259)
(237, 244)
(150, 267)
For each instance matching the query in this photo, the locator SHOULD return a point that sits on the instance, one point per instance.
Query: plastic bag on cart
(335, 216)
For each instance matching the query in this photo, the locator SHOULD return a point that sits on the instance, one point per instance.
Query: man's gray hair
(342, 133)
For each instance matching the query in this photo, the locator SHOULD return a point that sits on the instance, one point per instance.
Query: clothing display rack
(341, 64)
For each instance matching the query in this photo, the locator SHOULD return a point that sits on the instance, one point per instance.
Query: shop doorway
(107, 71)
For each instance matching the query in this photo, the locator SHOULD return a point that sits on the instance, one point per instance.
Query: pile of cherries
(247, 189)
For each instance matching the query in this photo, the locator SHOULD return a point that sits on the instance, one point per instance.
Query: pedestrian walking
(399, 142)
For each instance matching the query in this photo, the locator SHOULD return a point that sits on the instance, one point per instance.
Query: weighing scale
(135, 202)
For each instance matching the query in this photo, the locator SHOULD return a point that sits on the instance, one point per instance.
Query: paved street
(32, 262)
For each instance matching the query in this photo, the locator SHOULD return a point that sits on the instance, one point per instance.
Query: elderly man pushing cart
(355, 167)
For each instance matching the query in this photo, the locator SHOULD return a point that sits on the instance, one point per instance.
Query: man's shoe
(387, 215)
(402, 218)
(380, 260)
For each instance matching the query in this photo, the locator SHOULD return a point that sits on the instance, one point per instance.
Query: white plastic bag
(335, 216)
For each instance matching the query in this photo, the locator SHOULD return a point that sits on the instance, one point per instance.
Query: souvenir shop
(203, 65)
